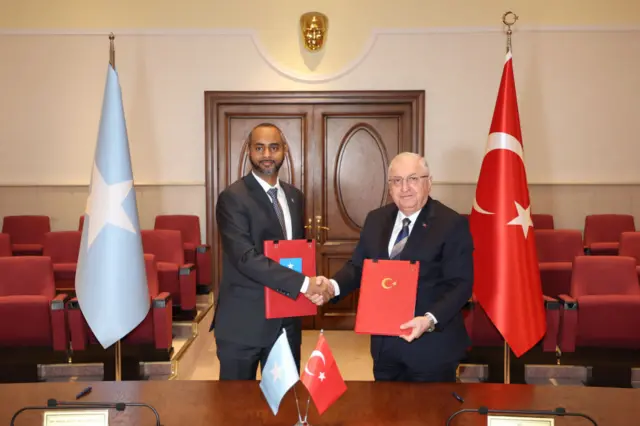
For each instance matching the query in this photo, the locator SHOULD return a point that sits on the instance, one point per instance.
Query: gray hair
(420, 158)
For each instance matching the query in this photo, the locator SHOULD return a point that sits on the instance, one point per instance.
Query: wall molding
(310, 77)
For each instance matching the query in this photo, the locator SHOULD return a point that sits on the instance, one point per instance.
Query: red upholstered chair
(602, 232)
(5, 245)
(81, 223)
(176, 276)
(152, 340)
(556, 251)
(154, 330)
(32, 318)
(63, 248)
(487, 344)
(542, 221)
(27, 233)
(630, 246)
(195, 252)
(602, 313)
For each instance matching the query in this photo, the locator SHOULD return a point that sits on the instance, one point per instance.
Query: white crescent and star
(320, 355)
(505, 141)
(104, 205)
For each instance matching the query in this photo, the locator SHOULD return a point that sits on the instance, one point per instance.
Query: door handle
(319, 227)
(308, 227)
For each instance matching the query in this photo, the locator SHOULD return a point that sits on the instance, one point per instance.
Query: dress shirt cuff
(305, 285)
(430, 315)
(336, 287)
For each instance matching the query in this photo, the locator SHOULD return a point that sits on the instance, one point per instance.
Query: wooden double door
(340, 144)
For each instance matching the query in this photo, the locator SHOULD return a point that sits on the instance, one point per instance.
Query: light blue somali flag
(280, 373)
(111, 281)
(294, 263)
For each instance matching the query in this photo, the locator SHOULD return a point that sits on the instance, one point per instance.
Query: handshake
(320, 290)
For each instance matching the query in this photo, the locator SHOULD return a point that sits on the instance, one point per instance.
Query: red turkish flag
(322, 377)
(507, 277)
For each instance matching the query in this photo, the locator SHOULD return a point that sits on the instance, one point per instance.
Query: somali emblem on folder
(388, 283)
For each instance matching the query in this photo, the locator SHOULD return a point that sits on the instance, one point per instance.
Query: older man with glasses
(419, 228)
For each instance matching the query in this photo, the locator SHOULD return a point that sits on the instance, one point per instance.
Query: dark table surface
(187, 403)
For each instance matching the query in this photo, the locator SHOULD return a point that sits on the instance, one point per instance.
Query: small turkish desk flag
(322, 377)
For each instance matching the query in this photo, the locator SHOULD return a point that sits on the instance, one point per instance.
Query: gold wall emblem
(314, 27)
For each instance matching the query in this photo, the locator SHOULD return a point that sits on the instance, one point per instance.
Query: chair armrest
(187, 287)
(568, 323)
(59, 323)
(551, 303)
(552, 312)
(162, 321)
(187, 268)
(77, 326)
(203, 248)
(568, 302)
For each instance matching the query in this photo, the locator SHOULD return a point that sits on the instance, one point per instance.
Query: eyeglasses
(411, 180)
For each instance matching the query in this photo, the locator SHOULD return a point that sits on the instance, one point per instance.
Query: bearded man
(254, 209)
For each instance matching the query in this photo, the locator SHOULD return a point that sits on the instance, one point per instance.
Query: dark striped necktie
(273, 192)
(403, 236)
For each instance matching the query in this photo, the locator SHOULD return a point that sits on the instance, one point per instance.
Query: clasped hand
(320, 290)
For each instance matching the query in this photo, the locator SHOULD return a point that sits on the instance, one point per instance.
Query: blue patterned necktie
(403, 236)
(273, 192)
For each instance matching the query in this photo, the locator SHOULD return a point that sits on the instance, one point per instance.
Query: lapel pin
(424, 225)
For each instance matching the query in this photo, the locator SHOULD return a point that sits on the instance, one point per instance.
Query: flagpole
(112, 62)
(306, 415)
(507, 351)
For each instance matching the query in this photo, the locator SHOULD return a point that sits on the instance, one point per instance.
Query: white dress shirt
(282, 199)
(397, 227)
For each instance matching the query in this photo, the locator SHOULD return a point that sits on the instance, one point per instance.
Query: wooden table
(191, 403)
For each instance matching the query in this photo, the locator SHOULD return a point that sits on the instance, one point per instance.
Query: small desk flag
(280, 373)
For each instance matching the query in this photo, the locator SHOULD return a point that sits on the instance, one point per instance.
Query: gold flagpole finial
(112, 51)
(509, 23)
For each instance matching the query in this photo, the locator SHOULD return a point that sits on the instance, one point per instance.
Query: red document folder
(388, 292)
(299, 255)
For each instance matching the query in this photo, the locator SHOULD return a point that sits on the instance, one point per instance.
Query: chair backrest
(166, 245)
(606, 228)
(542, 221)
(603, 275)
(188, 225)
(26, 229)
(27, 275)
(5, 245)
(62, 246)
(152, 274)
(630, 245)
(558, 245)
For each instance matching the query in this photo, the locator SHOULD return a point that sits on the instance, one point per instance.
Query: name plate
(518, 421)
(77, 418)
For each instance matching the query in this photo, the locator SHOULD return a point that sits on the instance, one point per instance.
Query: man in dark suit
(419, 228)
(254, 209)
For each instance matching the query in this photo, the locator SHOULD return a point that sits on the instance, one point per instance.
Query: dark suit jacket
(441, 241)
(246, 219)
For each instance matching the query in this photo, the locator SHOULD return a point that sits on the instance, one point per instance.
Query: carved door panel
(357, 141)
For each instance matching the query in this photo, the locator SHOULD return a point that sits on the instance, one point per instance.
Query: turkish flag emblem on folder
(299, 255)
(387, 300)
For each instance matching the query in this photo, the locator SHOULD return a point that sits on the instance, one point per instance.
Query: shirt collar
(265, 185)
(413, 217)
